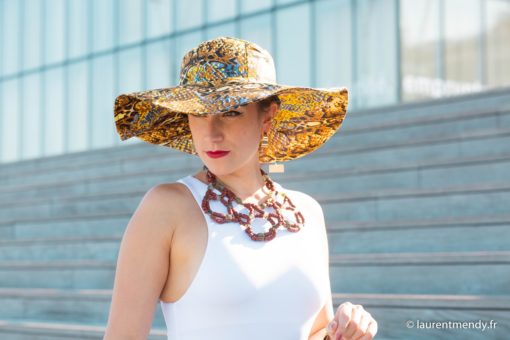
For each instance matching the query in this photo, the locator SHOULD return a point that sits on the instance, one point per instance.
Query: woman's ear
(269, 116)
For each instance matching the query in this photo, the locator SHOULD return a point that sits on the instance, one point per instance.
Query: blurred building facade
(62, 63)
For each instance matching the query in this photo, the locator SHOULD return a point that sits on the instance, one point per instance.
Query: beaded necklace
(227, 197)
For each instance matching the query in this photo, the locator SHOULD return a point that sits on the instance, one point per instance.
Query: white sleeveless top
(254, 290)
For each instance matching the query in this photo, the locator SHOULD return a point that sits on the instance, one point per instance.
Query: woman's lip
(216, 154)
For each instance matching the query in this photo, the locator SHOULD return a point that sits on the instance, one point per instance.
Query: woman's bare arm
(142, 266)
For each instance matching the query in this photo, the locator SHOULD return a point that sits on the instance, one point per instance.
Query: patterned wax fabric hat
(220, 75)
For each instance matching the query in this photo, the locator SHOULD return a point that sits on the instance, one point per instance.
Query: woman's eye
(232, 113)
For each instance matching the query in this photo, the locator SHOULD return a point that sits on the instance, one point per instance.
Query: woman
(228, 252)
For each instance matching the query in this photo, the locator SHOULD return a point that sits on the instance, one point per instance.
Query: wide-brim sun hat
(220, 75)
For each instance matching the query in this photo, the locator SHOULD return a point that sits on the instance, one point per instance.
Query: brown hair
(263, 105)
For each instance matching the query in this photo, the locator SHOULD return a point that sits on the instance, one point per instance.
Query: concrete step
(388, 133)
(494, 99)
(69, 206)
(424, 173)
(490, 144)
(489, 101)
(35, 330)
(79, 158)
(468, 201)
(420, 175)
(477, 273)
(457, 234)
(141, 180)
(403, 272)
(89, 225)
(451, 201)
(88, 307)
(62, 274)
(59, 248)
(391, 311)
(79, 173)
(401, 316)
(345, 237)
(353, 132)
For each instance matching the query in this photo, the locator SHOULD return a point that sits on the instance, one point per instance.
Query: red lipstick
(217, 154)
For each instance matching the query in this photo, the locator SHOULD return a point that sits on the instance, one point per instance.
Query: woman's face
(238, 131)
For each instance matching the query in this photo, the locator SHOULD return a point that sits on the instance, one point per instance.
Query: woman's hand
(352, 322)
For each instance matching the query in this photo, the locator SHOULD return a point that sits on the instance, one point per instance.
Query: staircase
(416, 199)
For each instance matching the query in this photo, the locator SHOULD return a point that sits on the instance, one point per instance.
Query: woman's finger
(352, 329)
(365, 320)
(343, 317)
(332, 328)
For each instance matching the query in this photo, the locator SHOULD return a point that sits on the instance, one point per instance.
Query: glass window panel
(248, 6)
(226, 30)
(183, 44)
(78, 27)
(283, 2)
(333, 42)
(293, 50)
(54, 31)
(130, 66)
(257, 29)
(158, 65)
(77, 109)
(130, 21)
(9, 126)
(221, 10)
(103, 128)
(419, 20)
(376, 54)
(102, 24)
(189, 14)
(2, 47)
(10, 40)
(159, 17)
(53, 112)
(462, 50)
(32, 122)
(32, 34)
(498, 46)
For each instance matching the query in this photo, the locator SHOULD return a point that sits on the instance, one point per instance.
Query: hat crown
(225, 59)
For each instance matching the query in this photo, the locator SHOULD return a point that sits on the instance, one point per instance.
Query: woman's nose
(214, 129)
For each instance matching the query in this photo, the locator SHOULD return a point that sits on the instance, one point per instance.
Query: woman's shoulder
(163, 191)
(167, 198)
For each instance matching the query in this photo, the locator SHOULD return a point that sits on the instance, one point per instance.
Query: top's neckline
(197, 180)
(207, 185)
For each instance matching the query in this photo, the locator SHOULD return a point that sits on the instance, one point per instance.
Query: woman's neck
(250, 189)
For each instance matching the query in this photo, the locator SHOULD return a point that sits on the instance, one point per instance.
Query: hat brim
(307, 117)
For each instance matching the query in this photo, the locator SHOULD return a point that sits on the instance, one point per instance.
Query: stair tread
(78, 264)
(469, 135)
(467, 257)
(375, 298)
(340, 196)
(70, 239)
(426, 301)
(420, 165)
(57, 293)
(436, 258)
(332, 226)
(413, 121)
(427, 103)
(59, 327)
(341, 225)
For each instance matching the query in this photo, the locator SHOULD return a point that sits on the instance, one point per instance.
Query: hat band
(211, 71)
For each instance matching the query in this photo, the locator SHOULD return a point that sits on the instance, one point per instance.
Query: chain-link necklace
(276, 219)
